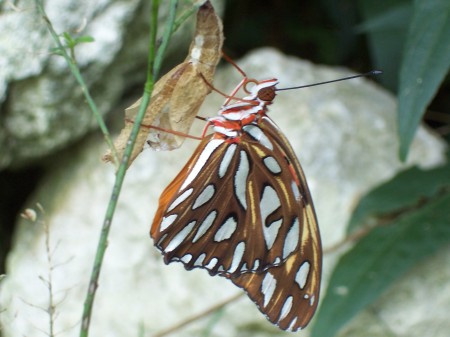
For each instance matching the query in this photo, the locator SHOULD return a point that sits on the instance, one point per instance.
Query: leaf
(426, 61)
(386, 23)
(394, 18)
(378, 260)
(404, 191)
(178, 95)
(84, 39)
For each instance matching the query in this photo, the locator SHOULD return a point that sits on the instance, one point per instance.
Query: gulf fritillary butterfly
(241, 208)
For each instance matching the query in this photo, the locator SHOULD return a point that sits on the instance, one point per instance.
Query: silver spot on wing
(226, 230)
(225, 163)
(268, 286)
(167, 221)
(204, 196)
(182, 197)
(292, 239)
(302, 274)
(272, 165)
(240, 179)
(205, 225)
(179, 238)
(287, 306)
(237, 257)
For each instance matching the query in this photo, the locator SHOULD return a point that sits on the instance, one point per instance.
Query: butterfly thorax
(232, 118)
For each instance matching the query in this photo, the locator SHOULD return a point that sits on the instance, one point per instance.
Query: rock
(345, 137)
(43, 109)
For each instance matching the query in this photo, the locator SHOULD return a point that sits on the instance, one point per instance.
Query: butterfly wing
(288, 294)
(232, 209)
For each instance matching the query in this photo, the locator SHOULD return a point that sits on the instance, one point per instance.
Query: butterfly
(241, 208)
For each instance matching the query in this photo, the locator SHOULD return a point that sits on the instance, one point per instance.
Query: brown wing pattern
(232, 209)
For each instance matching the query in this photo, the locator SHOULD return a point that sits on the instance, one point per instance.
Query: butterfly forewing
(232, 209)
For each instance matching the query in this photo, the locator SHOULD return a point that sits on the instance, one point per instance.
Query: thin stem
(198, 316)
(166, 37)
(76, 73)
(184, 16)
(148, 88)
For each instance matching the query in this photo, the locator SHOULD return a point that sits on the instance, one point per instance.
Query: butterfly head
(263, 91)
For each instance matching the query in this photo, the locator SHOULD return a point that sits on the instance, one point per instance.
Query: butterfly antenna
(370, 73)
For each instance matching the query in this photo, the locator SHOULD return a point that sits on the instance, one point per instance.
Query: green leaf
(386, 23)
(394, 18)
(404, 191)
(70, 42)
(379, 259)
(426, 61)
(84, 39)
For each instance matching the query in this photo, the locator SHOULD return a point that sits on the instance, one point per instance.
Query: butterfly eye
(267, 94)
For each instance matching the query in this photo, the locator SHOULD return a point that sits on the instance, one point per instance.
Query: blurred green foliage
(410, 221)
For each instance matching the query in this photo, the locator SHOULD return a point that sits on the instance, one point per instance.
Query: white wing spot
(205, 196)
(178, 239)
(296, 191)
(271, 231)
(311, 300)
(237, 257)
(287, 306)
(201, 161)
(268, 287)
(200, 259)
(167, 221)
(205, 225)
(272, 165)
(256, 265)
(291, 326)
(302, 274)
(226, 230)
(186, 258)
(182, 197)
(292, 238)
(212, 263)
(256, 133)
(240, 179)
(226, 160)
(269, 203)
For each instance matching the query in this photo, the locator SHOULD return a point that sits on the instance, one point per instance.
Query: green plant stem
(153, 69)
(166, 38)
(76, 73)
(184, 16)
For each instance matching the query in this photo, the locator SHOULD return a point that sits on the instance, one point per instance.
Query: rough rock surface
(345, 137)
(42, 106)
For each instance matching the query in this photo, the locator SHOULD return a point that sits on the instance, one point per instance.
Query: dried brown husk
(178, 95)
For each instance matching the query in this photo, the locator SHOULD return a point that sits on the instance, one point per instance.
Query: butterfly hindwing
(288, 294)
